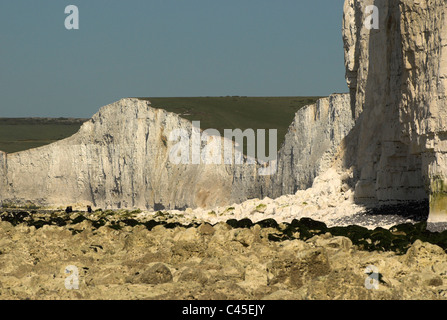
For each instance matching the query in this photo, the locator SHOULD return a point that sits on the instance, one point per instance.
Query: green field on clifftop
(18, 134)
(213, 112)
(237, 112)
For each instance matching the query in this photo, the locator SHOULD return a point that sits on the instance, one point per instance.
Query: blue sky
(164, 48)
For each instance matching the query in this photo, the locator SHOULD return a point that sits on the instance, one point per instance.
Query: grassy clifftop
(237, 112)
(18, 134)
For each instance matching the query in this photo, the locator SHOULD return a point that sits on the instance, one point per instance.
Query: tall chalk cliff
(118, 159)
(314, 139)
(121, 159)
(397, 80)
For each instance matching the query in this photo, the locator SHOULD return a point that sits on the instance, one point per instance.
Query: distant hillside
(41, 121)
(18, 134)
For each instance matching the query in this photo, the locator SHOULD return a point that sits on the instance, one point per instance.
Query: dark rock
(15, 218)
(151, 224)
(244, 223)
(60, 222)
(313, 225)
(78, 219)
(39, 223)
(355, 233)
(403, 229)
(99, 223)
(172, 225)
(400, 245)
(268, 223)
(131, 222)
(279, 237)
(232, 223)
(115, 226)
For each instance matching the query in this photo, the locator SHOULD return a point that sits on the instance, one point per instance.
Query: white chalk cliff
(314, 139)
(389, 133)
(121, 159)
(118, 159)
(397, 80)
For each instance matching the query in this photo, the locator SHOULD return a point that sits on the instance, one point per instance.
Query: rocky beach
(164, 256)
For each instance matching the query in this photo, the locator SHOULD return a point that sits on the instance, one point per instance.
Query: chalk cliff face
(397, 80)
(118, 159)
(312, 142)
(121, 159)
